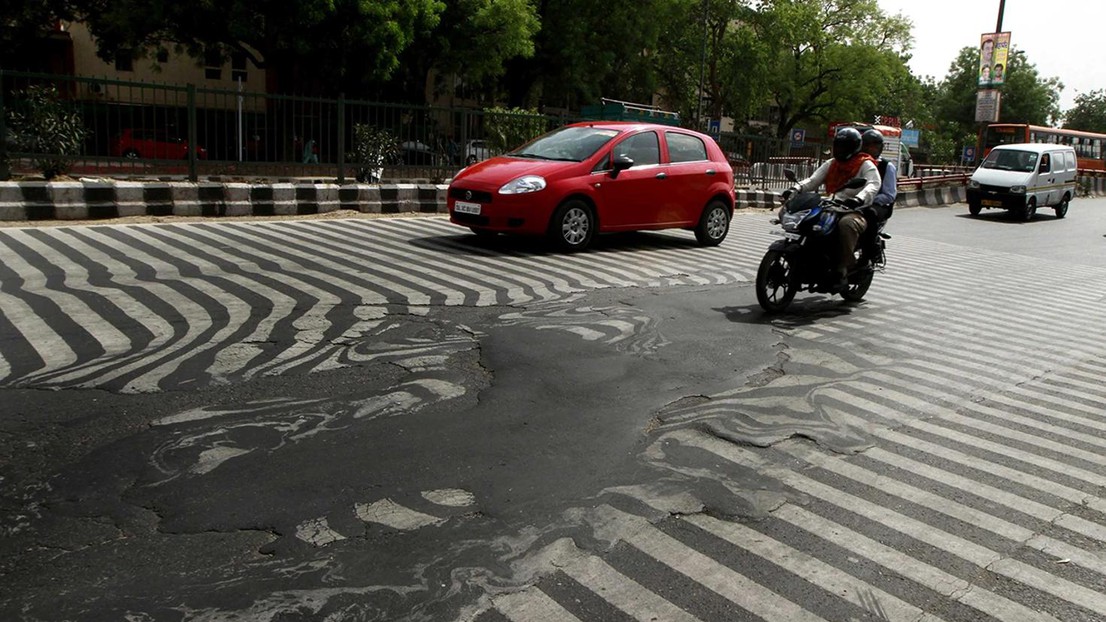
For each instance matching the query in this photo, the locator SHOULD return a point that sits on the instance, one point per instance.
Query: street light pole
(1001, 8)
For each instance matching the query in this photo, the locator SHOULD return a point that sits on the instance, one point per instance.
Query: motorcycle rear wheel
(776, 282)
(858, 285)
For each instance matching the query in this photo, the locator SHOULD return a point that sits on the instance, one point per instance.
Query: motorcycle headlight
(1017, 190)
(524, 184)
(790, 221)
(973, 184)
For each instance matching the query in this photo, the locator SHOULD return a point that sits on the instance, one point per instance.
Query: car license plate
(466, 208)
(991, 202)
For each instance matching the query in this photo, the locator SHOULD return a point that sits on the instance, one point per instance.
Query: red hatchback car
(152, 145)
(599, 177)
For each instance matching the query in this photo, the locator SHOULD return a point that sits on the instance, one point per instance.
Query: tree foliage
(1088, 113)
(829, 59)
(334, 41)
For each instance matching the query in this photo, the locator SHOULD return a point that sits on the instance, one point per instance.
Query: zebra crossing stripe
(993, 494)
(531, 605)
(811, 570)
(623, 592)
(970, 516)
(977, 555)
(724, 581)
(1023, 478)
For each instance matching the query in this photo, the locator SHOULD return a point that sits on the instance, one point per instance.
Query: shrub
(42, 125)
(373, 147)
(507, 128)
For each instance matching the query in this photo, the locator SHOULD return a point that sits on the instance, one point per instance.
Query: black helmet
(872, 137)
(846, 143)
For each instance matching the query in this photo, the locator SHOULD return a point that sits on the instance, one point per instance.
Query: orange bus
(1090, 148)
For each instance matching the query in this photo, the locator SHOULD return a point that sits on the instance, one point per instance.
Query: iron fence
(143, 129)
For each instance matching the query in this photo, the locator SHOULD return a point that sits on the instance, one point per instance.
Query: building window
(238, 67)
(124, 60)
(213, 65)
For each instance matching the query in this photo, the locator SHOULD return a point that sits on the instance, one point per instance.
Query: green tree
(586, 50)
(23, 24)
(332, 42)
(709, 42)
(451, 53)
(1089, 112)
(830, 59)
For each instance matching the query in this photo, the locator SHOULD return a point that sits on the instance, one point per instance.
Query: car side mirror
(790, 175)
(620, 163)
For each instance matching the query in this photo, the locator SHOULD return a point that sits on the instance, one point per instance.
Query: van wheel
(1062, 208)
(974, 208)
(1029, 210)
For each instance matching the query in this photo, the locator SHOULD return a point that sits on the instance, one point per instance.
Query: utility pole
(1001, 8)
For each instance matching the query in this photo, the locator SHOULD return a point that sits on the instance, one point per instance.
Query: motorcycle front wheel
(776, 282)
(859, 283)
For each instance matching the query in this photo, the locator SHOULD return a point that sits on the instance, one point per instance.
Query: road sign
(910, 138)
(798, 138)
(969, 154)
(714, 127)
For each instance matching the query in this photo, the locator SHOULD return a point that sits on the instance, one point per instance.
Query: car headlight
(1017, 189)
(522, 185)
(973, 184)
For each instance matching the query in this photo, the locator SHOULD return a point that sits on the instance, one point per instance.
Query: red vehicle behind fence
(152, 145)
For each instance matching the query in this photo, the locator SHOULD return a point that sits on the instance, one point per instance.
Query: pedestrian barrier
(98, 199)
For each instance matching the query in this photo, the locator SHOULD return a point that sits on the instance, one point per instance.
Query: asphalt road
(393, 420)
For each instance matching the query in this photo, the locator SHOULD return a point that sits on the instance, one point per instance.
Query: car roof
(624, 126)
(1034, 147)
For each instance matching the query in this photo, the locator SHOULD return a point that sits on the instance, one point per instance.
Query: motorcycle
(804, 259)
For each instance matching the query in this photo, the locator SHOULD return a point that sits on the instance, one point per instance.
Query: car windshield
(570, 144)
(1011, 160)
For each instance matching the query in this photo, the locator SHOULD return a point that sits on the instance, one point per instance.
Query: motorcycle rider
(847, 163)
(871, 142)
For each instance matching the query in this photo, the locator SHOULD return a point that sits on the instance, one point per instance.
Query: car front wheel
(714, 224)
(572, 226)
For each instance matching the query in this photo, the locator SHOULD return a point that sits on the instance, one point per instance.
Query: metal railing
(151, 130)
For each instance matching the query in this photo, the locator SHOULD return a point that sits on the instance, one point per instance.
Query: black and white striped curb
(945, 195)
(93, 200)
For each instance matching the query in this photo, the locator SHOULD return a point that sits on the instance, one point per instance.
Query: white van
(1022, 177)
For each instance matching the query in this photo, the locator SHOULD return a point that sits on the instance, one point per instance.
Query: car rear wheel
(572, 226)
(714, 224)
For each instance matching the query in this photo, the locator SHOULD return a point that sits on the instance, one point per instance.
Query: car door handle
(710, 171)
(662, 175)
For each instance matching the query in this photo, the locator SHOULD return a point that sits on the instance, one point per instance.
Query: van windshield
(1011, 160)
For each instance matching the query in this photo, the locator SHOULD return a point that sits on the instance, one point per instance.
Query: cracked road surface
(381, 421)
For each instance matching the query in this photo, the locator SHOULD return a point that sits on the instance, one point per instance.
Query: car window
(1069, 161)
(685, 147)
(644, 148)
(1011, 160)
(1046, 163)
(573, 144)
